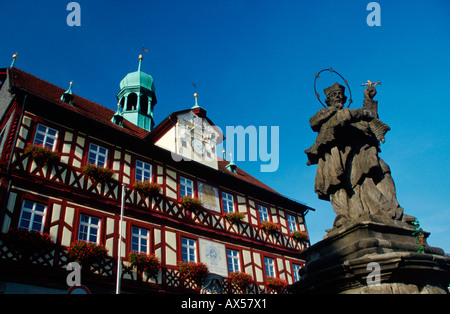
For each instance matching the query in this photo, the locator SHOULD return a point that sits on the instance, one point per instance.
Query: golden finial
(15, 57)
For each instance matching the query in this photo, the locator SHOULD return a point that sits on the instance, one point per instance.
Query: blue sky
(253, 63)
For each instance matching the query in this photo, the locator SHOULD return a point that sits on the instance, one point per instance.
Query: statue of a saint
(350, 174)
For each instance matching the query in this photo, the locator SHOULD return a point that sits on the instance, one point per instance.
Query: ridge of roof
(241, 174)
(34, 85)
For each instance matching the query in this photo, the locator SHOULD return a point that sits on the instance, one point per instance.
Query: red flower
(192, 270)
(87, 251)
(145, 262)
(276, 284)
(301, 236)
(98, 173)
(241, 280)
(41, 154)
(147, 188)
(190, 203)
(270, 227)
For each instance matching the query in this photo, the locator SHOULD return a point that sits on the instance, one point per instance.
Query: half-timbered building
(59, 198)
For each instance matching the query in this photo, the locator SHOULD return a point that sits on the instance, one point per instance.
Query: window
(143, 171)
(227, 203)
(188, 250)
(301, 223)
(296, 268)
(233, 261)
(89, 229)
(139, 240)
(292, 223)
(97, 155)
(186, 187)
(269, 266)
(45, 136)
(263, 213)
(32, 216)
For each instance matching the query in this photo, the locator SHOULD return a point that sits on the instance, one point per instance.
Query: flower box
(98, 174)
(147, 188)
(26, 242)
(276, 284)
(300, 236)
(87, 252)
(190, 203)
(144, 262)
(270, 227)
(194, 271)
(42, 155)
(234, 217)
(240, 280)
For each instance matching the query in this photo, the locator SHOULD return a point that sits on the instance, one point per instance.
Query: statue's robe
(349, 173)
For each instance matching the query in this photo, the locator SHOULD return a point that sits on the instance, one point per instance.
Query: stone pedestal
(341, 263)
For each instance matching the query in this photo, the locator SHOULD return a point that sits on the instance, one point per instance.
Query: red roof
(43, 89)
(33, 85)
(241, 174)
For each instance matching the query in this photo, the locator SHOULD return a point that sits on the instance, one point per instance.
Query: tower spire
(67, 97)
(15, 57)
(196, 101)
(137, 98)
(141, 57)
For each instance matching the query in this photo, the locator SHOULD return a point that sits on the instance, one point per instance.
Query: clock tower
(190, 135)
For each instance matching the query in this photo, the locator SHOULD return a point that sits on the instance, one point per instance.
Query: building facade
(58, 197)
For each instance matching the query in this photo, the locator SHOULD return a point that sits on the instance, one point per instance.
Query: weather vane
(345, 81)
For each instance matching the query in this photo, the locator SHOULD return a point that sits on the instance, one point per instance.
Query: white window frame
(90, 228)
(49, 140)
(233, 260)
(296, 268)
(185, 186)
(269, 266)
(141, 237)
(188, 248)
(144, 171)
(263, 213)
(30, 208)
(292, 223)
(94, 151)
(227, 202)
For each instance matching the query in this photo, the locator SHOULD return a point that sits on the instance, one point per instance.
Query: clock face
(198, 146)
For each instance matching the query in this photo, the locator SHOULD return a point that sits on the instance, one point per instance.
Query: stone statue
(350, 174)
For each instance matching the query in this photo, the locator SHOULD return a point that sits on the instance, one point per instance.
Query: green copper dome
(138, 79)
(136, 99)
